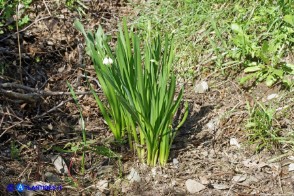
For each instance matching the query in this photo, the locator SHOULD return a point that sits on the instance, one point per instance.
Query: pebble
(193, 186)
(59, 164)
(134, 176)
(175, 161)
(234, 142)
(272, 96)
(202, 87)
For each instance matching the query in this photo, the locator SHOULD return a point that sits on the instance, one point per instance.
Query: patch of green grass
(257, 34)
(264, 125)
(260, 126)
(14, 150)
(187, 21)
(8, 9)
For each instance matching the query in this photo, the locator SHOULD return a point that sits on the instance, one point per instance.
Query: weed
(260, 126)
(85, 145)
(77, 5)
(2, 68)
(14, 150)
(9, 8)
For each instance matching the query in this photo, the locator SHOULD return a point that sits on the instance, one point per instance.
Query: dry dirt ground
(204, 150)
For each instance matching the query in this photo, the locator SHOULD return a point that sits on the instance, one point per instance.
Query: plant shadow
(194, 125)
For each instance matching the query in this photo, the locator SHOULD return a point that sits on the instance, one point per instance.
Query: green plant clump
(8, 8)
(263, 54)
(140, 90)
(260, 127)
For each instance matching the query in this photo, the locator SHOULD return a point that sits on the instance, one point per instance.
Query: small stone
(134, 176)
(291, 167)
(102, 185)
(153, 171)
(239, 178)
(203, 180)
(291, 158)
(59, 164)
(50, 127)
(213, 124)
(173, 183)
(194, 186)
(272, 96)
(175, 161)
(50, 43)
(234, 142)
(210, 126)
(220, 186)
(202, 87)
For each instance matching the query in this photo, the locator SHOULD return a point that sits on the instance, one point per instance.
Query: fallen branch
(53, 109)
(30, 98)
(33, 95)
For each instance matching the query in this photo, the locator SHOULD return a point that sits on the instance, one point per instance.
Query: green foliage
(76, 5)
(14, 151)
(140, 89)
(69, 180)
(24, 20)
(115, 115)
(263, 40)
(255, 34)
(85, 145)
(2, 68)
(260, 126)
(8, 9)
(263, 62)
(268, 74)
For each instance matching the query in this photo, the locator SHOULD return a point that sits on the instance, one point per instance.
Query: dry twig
(33, 95)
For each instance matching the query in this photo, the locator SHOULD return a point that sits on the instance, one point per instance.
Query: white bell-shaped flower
(107, 61)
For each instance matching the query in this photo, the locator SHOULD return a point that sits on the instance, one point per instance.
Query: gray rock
(59, 164)
(194, 186)
(213, 124)
(175, 161)
(202, 87)
(272, 96)
(234, 142)
(134, 176)
(291, 167)
(102, 185)
(220, 186)
(239, 178)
